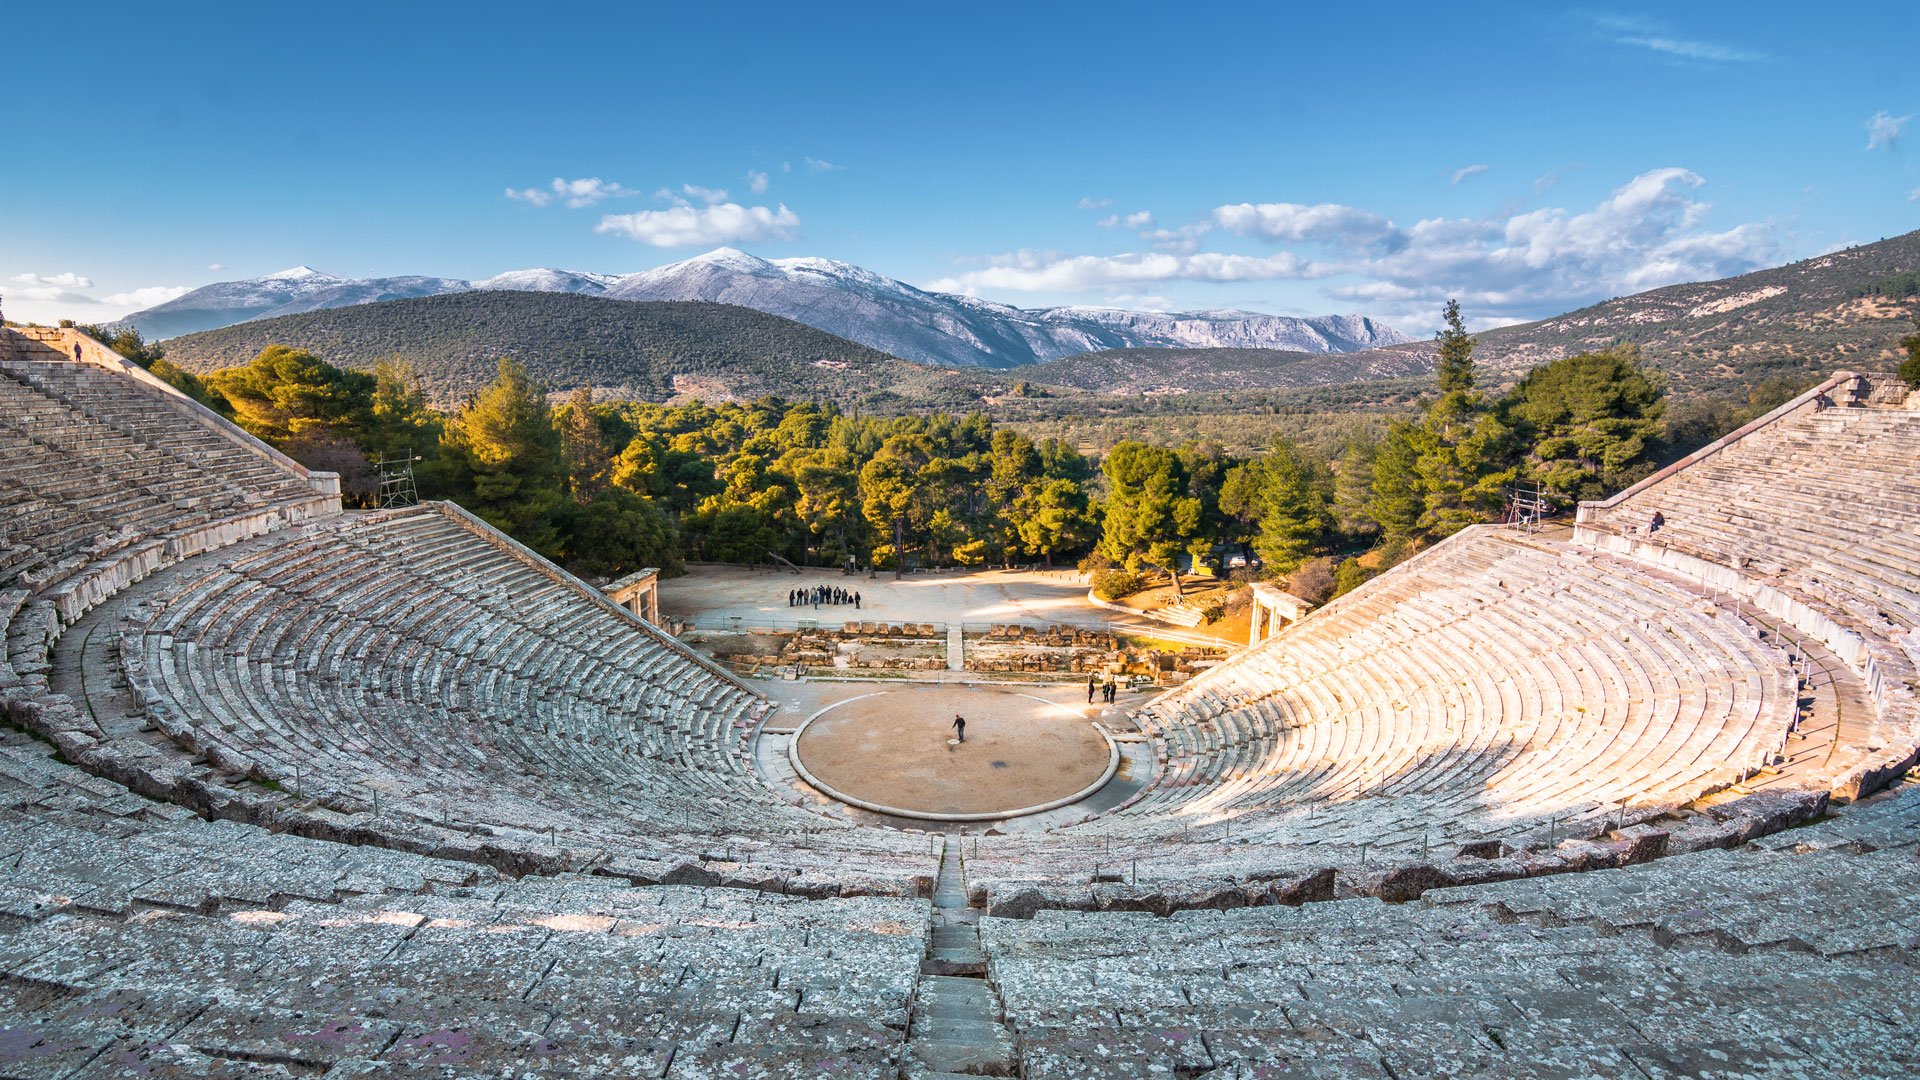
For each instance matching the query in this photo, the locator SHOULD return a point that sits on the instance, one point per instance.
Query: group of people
(1108, 690)
(822, 594)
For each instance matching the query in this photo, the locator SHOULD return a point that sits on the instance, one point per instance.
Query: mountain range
(1843, 309)
(940, 329)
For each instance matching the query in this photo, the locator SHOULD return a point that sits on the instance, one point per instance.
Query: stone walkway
(956, 1027)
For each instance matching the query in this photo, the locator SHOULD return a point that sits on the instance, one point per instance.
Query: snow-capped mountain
(546, 280)
(961, 331)
(300, 289)
(855, 303)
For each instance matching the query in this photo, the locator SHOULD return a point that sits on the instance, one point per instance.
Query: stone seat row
(400, 652)
(1714, 963)
(135, 935)
(110, 401)
(1502, 689)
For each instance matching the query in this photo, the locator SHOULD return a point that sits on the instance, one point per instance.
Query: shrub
(1112, 584)
(1313, 581)
(1910, 367)
(1350, 576)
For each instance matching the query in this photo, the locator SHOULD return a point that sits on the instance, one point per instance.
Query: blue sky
(1354, 158)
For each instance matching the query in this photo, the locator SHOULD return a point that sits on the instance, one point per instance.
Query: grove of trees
(608, 486)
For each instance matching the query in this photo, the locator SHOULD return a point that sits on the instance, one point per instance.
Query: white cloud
(1649, 232)
(1326, 223)
(1643, 236)
(818, 166)
(140, 299)
(1088, 202)
(68, 280)
(1184, 239)
(1035, 271)
(786, 166)
(704, 194)
(1883, 129)
(1914, 195)
(1647, 34)
(575, 193)
(1468, 170)
(51, 297)
(757, 181)
(717, 223)
(216, 266)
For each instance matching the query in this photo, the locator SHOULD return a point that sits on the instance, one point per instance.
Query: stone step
(956, 990)
(983, 1057)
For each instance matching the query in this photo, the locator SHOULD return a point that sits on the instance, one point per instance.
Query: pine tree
(1463, 448)
(1455, 362)
(1593, 421)
(587, 457)
(511, 449)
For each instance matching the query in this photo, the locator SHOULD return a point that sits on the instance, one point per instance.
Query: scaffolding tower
(1527, 504)
(396, 480)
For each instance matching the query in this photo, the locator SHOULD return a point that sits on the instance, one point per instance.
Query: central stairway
(956, 1027)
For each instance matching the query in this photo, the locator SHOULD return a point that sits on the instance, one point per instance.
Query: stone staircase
(956, 648)
(955, 1027)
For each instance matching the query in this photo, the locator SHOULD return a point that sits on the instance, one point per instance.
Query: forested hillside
(649, 351)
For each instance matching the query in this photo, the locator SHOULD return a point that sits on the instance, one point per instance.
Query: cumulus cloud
(1645, 235)
(756, 181)
(50, 297)
(67, 280)
(1468, 170)
(1035, 271)
(1088, 202)
(140, 299)
(818, 166)
(704, 194)
(216, 266)
(574, 193)
(1883, 129)
(716, 223)
(1649, 232)
(1647, 34)
(1184, 239)
(1326, 223)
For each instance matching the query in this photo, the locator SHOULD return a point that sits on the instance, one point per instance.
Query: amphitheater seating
(1495, 689)
(137, 939)
(1812, 514)
(406, 657)
(1768, 501)
(289, 792)
(1712, 964)
(153, 481)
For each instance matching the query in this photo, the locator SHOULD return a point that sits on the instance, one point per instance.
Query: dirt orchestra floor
(892, 747)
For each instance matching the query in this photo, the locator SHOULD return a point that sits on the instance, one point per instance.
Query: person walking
(960, 726)
(856, 600)
(1091, 683)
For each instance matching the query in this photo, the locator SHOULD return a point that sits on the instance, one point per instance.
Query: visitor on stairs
(1655, 525)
